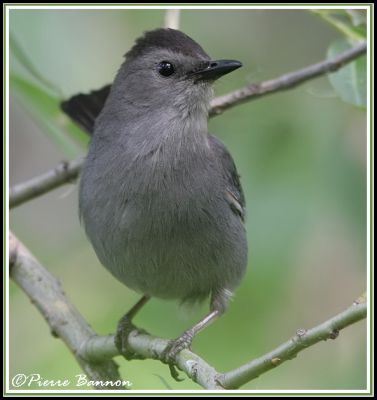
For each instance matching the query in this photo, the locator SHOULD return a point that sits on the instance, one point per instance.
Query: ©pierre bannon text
(80, 380)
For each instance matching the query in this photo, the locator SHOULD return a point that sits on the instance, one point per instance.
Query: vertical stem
(172, 18)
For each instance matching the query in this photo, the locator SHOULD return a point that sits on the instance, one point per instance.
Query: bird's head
(167, 69)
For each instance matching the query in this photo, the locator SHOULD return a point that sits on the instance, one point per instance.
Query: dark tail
(85, 108)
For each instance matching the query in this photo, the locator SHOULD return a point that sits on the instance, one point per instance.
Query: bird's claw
(176, 346)
(125, 327)
(173, 349)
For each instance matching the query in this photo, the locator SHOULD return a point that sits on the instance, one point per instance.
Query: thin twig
(172, 18)
(45, 292)
(288, 350)
(65, 172)
(285, 82)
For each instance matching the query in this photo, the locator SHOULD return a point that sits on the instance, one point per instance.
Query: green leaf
(19, 55)
(328, 11)
(44, 108)
(360, 30)
(345, 22)
(350, 81)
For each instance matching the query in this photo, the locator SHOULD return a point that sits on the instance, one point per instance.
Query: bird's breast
(159, 223)
(167, 195)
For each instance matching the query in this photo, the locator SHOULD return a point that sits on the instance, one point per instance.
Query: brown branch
(205, 375)
(287, 351)
(285, 82)
(64, 320)
(152, 347)
(63, 173)
(66, 172)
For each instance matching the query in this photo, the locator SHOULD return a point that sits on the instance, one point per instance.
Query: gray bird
(160, 198)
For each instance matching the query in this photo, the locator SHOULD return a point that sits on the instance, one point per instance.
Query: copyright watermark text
(80, 380)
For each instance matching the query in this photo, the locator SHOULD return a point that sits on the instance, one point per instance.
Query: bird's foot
(176, 346)
(173, 349)
(125, 327)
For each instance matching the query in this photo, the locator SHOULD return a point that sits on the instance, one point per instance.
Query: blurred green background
(302, 159)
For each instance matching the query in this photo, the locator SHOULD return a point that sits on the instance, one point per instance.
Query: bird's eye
(165, 68)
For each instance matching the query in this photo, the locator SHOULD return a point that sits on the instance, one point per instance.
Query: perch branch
(46, 293)
(151, 347)
(197, 369)
(65, 172)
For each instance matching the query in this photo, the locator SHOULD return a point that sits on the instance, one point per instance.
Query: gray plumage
(159, 197)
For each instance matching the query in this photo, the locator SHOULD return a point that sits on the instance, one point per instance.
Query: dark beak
(212, 70)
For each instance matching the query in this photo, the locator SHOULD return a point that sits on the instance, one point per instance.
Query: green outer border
(201, 392)
(371, 219)
(130, 5)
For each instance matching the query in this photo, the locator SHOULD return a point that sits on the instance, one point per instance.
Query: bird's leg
(125, 327)
(219, 302)
(184, 341)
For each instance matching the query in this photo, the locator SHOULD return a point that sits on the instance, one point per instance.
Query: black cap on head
(169, 39)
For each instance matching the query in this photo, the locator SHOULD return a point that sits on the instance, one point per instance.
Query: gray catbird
(160, 198)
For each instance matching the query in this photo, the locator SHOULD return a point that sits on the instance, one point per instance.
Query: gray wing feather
(85, 108)
(234, 192)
